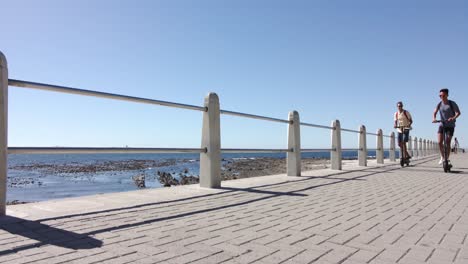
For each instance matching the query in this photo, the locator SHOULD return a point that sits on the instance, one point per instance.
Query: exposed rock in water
(189, 180)
(139, 180)
(15, 202)
(166, 179)
(98, 166)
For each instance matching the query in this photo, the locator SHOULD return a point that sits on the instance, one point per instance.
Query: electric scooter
(404, 160)
(447, 166)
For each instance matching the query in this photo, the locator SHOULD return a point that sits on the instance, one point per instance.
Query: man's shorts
(448, 130)
(403, 137)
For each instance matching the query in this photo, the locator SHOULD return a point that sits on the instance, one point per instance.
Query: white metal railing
(69, 90)
(210, 150)
(82, 150)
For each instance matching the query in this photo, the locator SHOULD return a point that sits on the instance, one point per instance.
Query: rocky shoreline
(144, 172)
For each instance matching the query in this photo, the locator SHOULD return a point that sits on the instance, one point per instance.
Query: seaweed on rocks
(139, 180)
(166, 179)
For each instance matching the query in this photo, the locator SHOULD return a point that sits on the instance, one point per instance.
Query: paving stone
(379, 214)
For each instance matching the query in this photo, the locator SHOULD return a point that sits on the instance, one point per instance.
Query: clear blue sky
(346, 60)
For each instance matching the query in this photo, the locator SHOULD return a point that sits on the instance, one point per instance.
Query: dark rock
(139, 180)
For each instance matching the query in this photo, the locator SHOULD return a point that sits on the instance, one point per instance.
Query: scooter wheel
(446, 166)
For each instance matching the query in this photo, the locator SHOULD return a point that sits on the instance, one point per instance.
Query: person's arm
(395, 120)
(410, 118)
(434, 115)
(457, 112)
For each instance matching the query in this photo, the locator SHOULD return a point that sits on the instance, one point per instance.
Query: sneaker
(441, 160)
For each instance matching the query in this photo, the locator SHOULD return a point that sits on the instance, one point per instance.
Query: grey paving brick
(412, 215)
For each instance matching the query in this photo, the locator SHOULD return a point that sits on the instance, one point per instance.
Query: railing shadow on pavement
(270, 195)
(46, 234)
(227, 191)
(42, 234)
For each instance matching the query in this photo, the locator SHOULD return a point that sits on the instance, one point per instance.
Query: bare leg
(402, 150)
(406, 150)
(449, 141)
(441, 144)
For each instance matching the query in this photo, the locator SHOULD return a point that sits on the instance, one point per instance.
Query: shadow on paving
(230, 190)
(269, 195)
(44, 235)
(49, 235)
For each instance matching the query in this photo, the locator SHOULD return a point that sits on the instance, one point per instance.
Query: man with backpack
(449, 112)
(403, 121)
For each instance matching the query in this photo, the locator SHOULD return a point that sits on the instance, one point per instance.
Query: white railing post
(293, 159)
(3, 132)
(335, 154)
(420, 151)
(362, 152)
(424, 148)
(379, 153)
(210, 162)
(415, 150)
(392, 147)
(410, 147)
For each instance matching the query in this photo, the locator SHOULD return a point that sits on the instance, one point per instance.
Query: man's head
(443, 93)
(399, 105)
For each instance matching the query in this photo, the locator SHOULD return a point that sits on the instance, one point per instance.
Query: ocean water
(38, 184)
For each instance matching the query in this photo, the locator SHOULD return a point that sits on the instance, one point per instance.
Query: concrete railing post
(392, 147)
(210, 162)
(293, 159)
(362, 152)
(335, 154)
(410, 147)
(420, 149)
(415, 149)
(424, 148)
(3, 132)
(379, 153)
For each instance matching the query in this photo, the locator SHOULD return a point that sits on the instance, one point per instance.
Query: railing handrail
(317, 126)
(351, 130)
(71, 90)
(82, 150)
(226, 112)
(249, 150)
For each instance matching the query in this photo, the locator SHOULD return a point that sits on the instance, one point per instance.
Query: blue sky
(346, 60)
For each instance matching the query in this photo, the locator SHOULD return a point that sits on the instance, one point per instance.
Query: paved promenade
(379, 214)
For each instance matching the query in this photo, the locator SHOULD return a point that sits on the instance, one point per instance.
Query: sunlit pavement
(378, 214)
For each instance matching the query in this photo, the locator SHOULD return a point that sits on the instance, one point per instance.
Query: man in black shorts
(449, 112)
